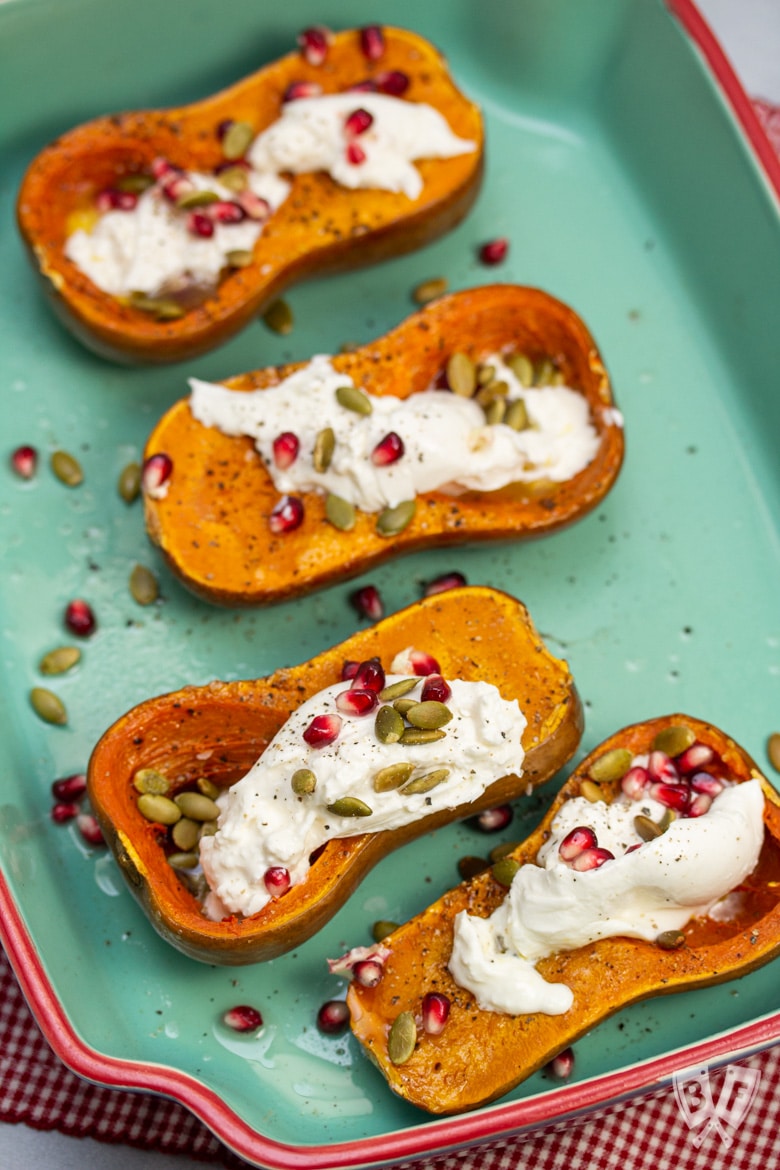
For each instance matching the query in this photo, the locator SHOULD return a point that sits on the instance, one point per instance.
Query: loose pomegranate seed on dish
(90, 829)
(65, 811)
(333, 1016)
(69, 787)
(368, 602)
(492, 820)
(372, 41)
(156, 474)
(494, 251)
(276, 880)
(435, 1012)
(314, 43)
(285, 449)
(357, 702)
(286, 516)
(562, 1065)
(79, 618)
(441, 584)
(243, 1018)
(323, 730)
(24, 461)
(388, 450)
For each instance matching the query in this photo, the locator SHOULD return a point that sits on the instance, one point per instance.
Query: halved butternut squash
(219, 730)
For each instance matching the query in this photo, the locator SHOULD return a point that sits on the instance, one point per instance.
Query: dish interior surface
(626, 189)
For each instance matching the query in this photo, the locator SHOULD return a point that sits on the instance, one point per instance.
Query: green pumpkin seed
(239, 258)
(192, 199)
(485, 373)
(503, 850)
(773, 750)
(426, 782)
(196, 806)
(674, 739)
(129, 482)
(340, 513)
(544, 372)
(461, 375)
(235, 179)
(184, 860)
(647, 828)
(350, 806)
(159, 809)
(278, 317)
(393, 776)
(469, 867)
(429, 714)
(613, 765)
(388, 725)
(488, 394)
(417, 735)
(59, 660)
(516, 415)
(397, 689)
(195, 882)
(48, 706)
(143, 585)
(382, 928)
(354, 399)
(666, 820)
(592, 792)
(404, 705)
(522, 369)
(402, 1038)
(428, 290)
(208, 828)
(495, 411)
(67, 468)
(208, 787)
(670, 940)
(324, 446)
(134, 184)
(504, 871)
(393, 520)
(150, 781)
(163, 308)
(238, 138)
(303, 782)
(185, 834)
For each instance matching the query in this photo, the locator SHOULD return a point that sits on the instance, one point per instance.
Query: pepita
(163, 308)
(403, 705)
(429, 714)
(195, 882)
(544, 372)
(388, 724)
(417, 735)
(59, 660)
(303, 782)
(354, 399)
(516, 415)
(485, 373)
(674, 739)
(134, 184)
(613, 765)
(350, 806)
(340, 513)
(196, 198)
(495, 411)
(428, 290)
(129, 482)
(151, 781)
(391, 521)
(402, 1038)
(592, 792)
(426, 782)
(208, 787)
(647, 828)
(503, 850)
(522, 369)
(278, 317)
(185, 834)
(196, 806)
(773, 750)
(238, 258)
(235, 179)
(324, 445)
(397, 689)
(491, 391)
(48, 706)
(208, 828)
(144, 588)
(391, 777)
(461, 375)
(237, 140)
(159, 809)
(184, 860)
(67, 468)
(670, 940)
(382, 928)
(504, 871)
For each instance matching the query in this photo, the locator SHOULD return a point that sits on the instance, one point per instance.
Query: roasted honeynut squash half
(480, 1055)
(212, 523)
(321, 227)
(219, 730)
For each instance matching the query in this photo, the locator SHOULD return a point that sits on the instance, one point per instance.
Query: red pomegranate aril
(577, 841)
(492, 820)
(286, 516)
(494, 251)
(423, 663)
(243, 1018)
(372, 41)
(333, 1016)
(674, 796)
(357, 702)
(591, 859)
(706, 783)
(435, 1012)
(301, 89)
(635, 782)
(156, 474)
(367, 85)
(368, 972)
(314, 43)
(90, 829)
(285, 449)
(255, 206)
(661, 767)
(162, 169)
(562, 1065)
(176, 186)
(69, 787)
(65, 811)
(393, 82)
(368, 602)
(435, 689)
(24, 461)
(370, 676)
(349, 669)
(697, 756)
(112, 200)
(441, 584)
(276, 880)
(358, 122)
(200, 224)
(388, 450)
(355, 154)
(633, 848)
(80, 618)
(700, 804)
(323, 730)
(226, 211)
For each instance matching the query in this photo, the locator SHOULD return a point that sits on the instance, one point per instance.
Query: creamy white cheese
(448, 445)
(262, 822)
(551, 908)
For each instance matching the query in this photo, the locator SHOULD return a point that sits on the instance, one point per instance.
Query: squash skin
(474, 632)
(221, 490)
(482, 1055)
(321, 228)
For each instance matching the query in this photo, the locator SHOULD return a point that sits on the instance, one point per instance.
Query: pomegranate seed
(162, 170)
(224, 126)
(441, 584)
(112, 200)
(301, 89)
(635, 781)
(698, 755)
(674, 796)
(349, 669)
(285, 448)
(156, 474)
(314, 43)
(704, 782)
(700, 804)
(368, 602)
(226, 211)
(230, 164)
(65, 811)
(243, 1018)
(388, 450)
(90, 829)
(79, 618)
(333, 1016)
(576, 842)
(393, 82)
(358, 122)
(286, 516)
(24, 461)
(591, 859)
(370, 675)
(423, 663)
(435, 689)
(69, 787)
(357, 702)
(199, 224)
(255, 206)
(367, 85)
(276, 880)
(372, 41)
(323, 730)
(355, 154)
(177, 186)
(633, 848)
(435, 1012)
(368, 972)
(562, 1065)
(494, 251)
(348, 962)
(491, 820)
(660, 767)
